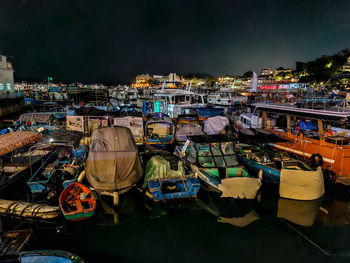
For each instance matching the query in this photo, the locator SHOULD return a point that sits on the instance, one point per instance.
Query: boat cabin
(159, 131)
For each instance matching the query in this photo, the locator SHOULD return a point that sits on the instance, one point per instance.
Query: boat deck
(335, 112)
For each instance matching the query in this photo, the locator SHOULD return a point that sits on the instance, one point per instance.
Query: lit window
(1, 86)
(8, 85)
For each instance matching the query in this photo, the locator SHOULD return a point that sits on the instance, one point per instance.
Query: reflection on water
(335, 213)
(303, 213)
(209, 229)
(243, 221)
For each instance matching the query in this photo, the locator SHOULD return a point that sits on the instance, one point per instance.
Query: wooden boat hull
(335, 157)
(74, 206)
(14, 241)
(184, 188)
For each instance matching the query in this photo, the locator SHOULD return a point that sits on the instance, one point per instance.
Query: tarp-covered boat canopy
(12, 141)
(188, 129)
(36, 117)
(159, 167)
(113, 162)
(215, 125)
(307, 125)
(63, 137)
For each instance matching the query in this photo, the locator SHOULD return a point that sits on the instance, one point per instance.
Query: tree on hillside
(248, 74)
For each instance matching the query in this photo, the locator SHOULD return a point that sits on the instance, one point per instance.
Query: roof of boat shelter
(329, 114)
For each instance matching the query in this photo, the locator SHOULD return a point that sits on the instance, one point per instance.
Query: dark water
(192, 232)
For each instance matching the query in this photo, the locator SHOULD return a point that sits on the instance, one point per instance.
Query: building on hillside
(142, 81)
(346, 66)
(266, 71)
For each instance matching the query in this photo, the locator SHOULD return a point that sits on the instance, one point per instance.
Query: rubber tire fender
(314, 157)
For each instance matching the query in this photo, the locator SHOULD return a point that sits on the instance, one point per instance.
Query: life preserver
(316, 159)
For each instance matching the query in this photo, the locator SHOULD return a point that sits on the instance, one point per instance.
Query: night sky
(101, 40)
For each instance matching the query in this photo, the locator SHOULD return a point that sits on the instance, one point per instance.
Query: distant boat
(77, 202)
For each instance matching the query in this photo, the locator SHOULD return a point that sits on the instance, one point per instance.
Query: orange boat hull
(335, 157)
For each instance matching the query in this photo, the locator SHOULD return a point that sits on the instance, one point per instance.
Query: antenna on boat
(254, 82)
(188, 87)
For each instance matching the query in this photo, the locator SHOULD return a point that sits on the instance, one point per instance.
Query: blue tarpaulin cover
(307, 125)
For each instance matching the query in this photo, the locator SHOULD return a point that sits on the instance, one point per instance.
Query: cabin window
(215, 149)
(219, 160)
(227, 148)
(192, 152)
(203, 149)
(231, 160)
(159, 130)
(206, 161)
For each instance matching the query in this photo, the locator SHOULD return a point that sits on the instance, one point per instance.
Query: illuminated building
(346, 66)
(266, 71)
(6, 74)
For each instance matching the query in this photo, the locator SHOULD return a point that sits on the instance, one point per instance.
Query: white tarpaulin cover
(215, 125)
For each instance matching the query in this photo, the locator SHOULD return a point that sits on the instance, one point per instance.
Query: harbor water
(266, 230)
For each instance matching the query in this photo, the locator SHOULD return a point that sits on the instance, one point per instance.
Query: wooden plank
(320, 129)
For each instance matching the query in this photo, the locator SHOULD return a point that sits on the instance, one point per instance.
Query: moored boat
(159, 132)
(30, 211)
(212, 158)
(113, 165)
(48, 256)
(77, 202)
(167, 179)
(296, 179)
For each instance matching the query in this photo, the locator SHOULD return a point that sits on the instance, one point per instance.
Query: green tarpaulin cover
(159, 168)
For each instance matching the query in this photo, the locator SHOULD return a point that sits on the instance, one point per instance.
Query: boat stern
(301, 185)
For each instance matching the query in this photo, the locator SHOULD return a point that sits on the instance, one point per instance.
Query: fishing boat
(40, 121)
(321, 148)
(296, 179)
(77, 202)
(64, 168)
(177, 100)
(29, 211)
(19, 160)
(159, 132)
(166, 179)
(225, 97)
(113, 165)
(14, 241)
(212, 158)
